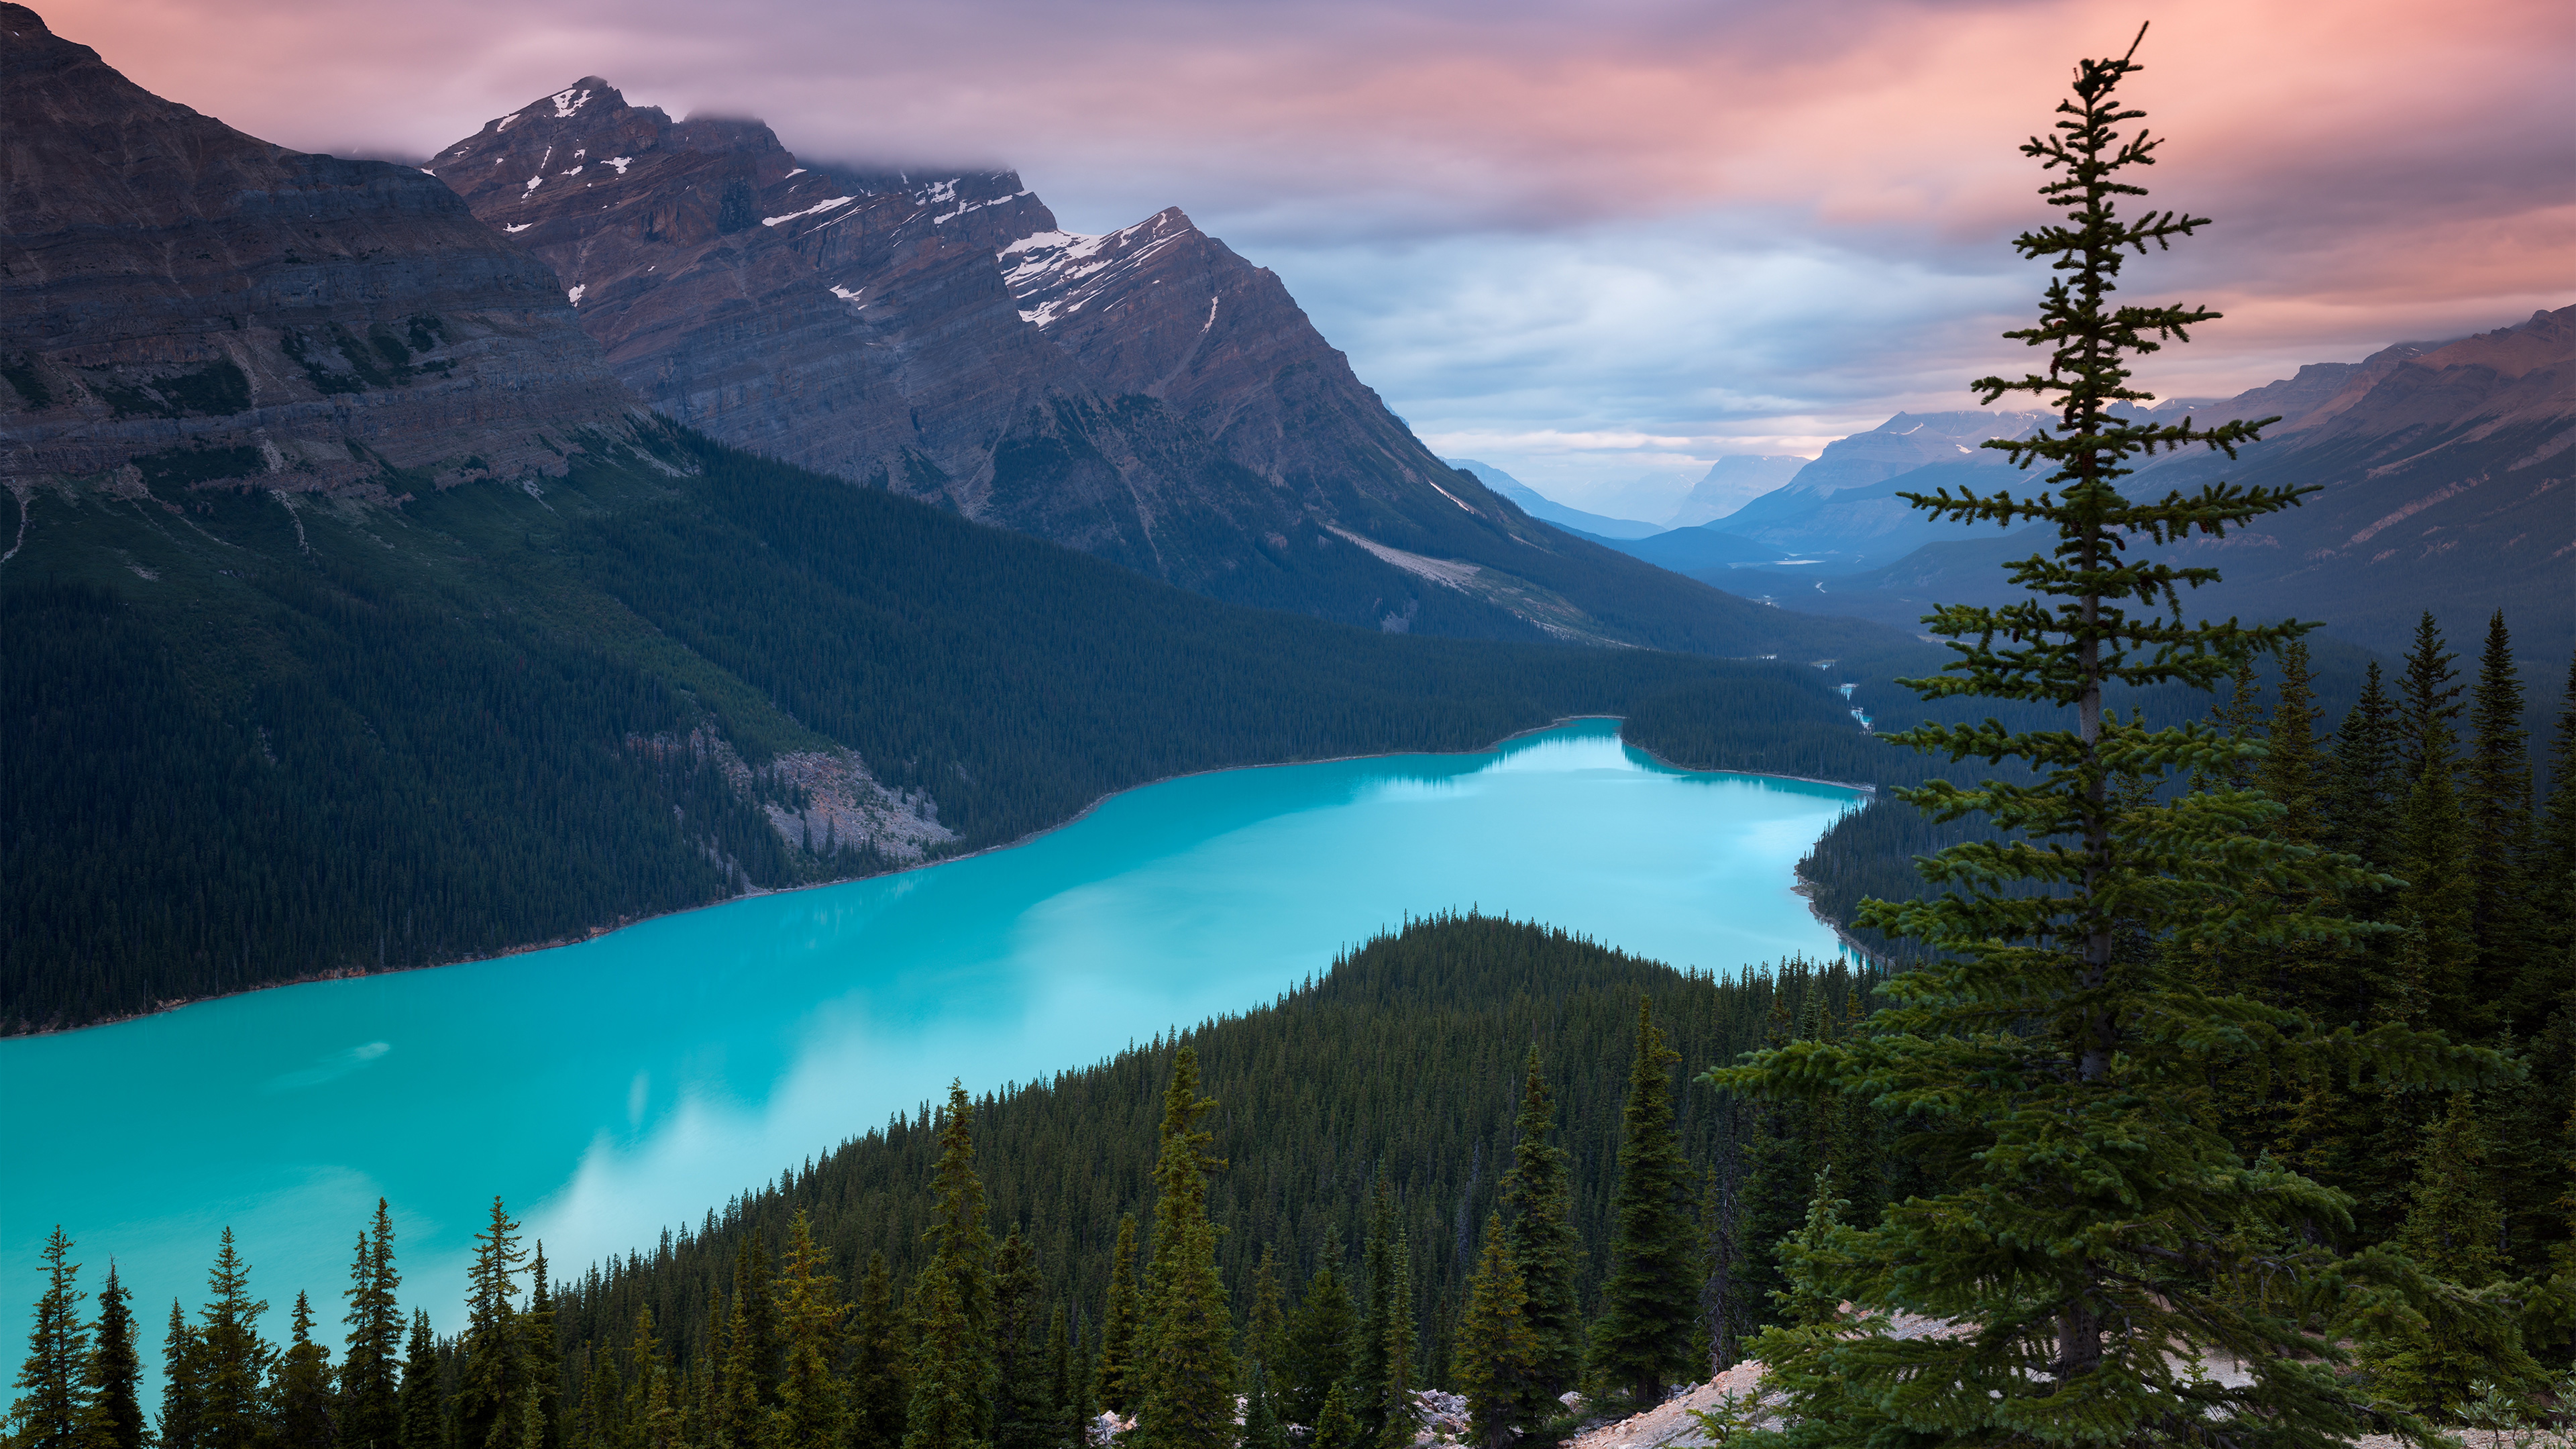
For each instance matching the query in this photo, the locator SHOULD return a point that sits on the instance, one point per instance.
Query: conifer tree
(1334, 1426)
(2437, 905)
(1187, 1363)
(735, 1415)
(1368, 1346)
(1063, 1417)
(2362, 794)
(952, 1381)
(2289, 775)
(2432, 1359)
(879, 1389)
(424, 1407)
(810, 1405)
(541, 1357)
(1778, 1164)
(1024, 1411)
(303, 1393)
(1084, 1411)
(1807, 1301)
(652, 1417)
(1539, 1197)
(1261, 1426)
(1318, 1353)
(1641, 1341)
(182, 1421)
(1497, 1356)
(1121, 1321)
(490, 1369)
(2550, 968)
(233, 1360)
(1269, 1319)
(755, 1344)
(603, 1399)
(370, 1389)
(701, 1418)
(113, 1418)
(2091, 1225)
(950, 1372)
(1717, 1247)
(2453, 1226)
(53, 1389)
(2497, 803)
(1397, 1417)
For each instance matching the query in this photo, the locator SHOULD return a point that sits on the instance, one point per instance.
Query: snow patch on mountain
(1056, 273)
(815, 209)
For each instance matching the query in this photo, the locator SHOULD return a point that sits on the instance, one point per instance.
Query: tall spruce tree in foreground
(811, 1408)
(370, 1391)
(53, 1397)
(182, 1421)
(1187, 1362)
(1650, 1301)
(1497, 1355)
(232, 1359)
(1317, 1355)
(1121, 1324)
(115, 1412)
(491, 1375)
(423, 1411)
(2092, 1235)
(303, 1397)
(541, 1352)
(1540, 1237)
(952, 1378)
(877, 1359)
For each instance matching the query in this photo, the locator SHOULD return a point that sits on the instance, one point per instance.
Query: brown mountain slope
(181, 303)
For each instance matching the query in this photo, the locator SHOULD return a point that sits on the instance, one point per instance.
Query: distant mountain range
(2442, 471)
(1539, 505)
(1728, 481)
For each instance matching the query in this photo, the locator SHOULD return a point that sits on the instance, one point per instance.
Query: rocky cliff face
(850, 322)
(181, 304)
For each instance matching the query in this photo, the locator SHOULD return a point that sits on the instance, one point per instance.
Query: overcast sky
(1597, 244)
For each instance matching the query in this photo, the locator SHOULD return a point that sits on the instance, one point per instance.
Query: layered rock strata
(181, 303)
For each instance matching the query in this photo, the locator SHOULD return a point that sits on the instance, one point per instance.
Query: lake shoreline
(346, 973)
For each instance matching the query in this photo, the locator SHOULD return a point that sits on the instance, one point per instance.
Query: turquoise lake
(610, 1089)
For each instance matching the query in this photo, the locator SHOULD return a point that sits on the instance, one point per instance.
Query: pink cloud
(2379, 168)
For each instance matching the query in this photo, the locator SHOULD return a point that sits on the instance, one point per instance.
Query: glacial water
(611, 1089)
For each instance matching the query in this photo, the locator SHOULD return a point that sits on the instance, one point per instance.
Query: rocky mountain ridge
(1146, 395)
(183, 304)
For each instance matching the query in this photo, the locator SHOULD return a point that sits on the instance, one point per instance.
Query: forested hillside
(256, 737)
